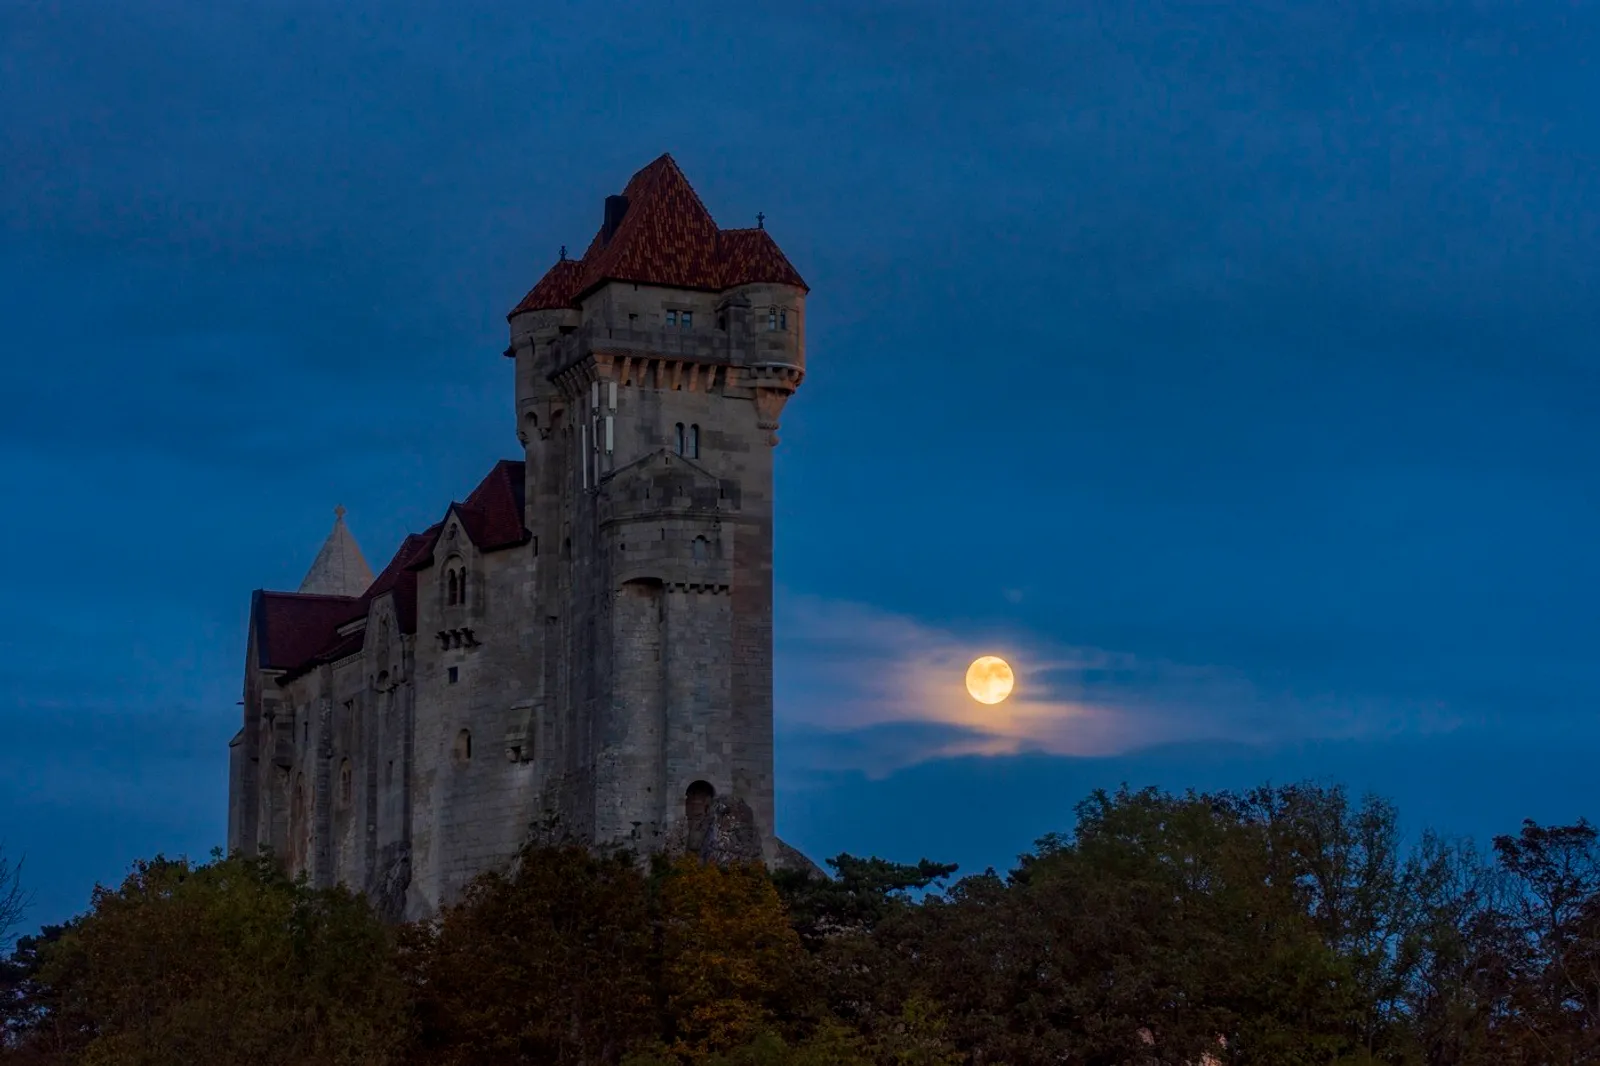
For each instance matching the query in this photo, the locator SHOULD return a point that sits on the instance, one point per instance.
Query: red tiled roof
(745, 256)
(400, 579)
(491, 514)
(558, 288)
(295, 631)
(666, 237)
(291, 627)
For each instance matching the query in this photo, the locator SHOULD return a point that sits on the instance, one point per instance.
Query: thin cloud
(864, 689)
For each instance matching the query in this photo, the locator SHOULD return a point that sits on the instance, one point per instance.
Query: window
(345, 781)
(305, 733)
(702, 549)
(783, 319)
(672, 318)
(688, 318)
(462, 752)
(451, 591)
(455, 674)
(461, 584)
(694, 441)
(679, 445)
(772, 318)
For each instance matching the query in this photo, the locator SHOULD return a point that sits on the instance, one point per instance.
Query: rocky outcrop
(794, 860)
(388, 894)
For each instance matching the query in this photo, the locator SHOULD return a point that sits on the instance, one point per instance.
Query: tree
(1451, 954)
(32, 1025)
(859, 895)
(228, 963)
(14, 901)
(732, 967)
(550, 963)
(1549, 935)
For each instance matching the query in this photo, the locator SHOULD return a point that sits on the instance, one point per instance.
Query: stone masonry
(582, 647)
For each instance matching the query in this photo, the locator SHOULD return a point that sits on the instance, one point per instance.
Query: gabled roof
(339, 568)
(296, 631)
(665, 237)
(400, 579)
(491, 515)
(291, 627)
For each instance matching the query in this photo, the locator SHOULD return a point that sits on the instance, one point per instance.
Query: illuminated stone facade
(583, 645)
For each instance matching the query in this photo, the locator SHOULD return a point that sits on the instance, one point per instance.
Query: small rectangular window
(688, 317)
(672, 318)
(455, 673)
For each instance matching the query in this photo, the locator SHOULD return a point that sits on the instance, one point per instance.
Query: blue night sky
(1230, 368)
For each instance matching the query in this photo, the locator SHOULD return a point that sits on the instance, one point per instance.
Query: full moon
(989, 679)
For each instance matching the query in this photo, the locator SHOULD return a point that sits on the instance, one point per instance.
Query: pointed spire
(340, 569)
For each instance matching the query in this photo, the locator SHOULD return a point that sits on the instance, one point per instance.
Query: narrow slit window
(451, 592)
(783, 320)
(679, 441)
(694, 441)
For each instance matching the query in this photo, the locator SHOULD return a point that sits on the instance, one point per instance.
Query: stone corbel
(769, 405)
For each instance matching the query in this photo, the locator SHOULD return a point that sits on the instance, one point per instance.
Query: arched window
(461, 585)
(702, 549)
(462, 752)
(772, 318)
(451, 591)
(783, 318)
(679, 439)
(694, 441)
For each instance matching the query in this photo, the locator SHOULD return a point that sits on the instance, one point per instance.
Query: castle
(584, 641)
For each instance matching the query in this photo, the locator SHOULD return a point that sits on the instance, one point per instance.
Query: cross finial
(338, 513)
(563, 253)
(761, 220)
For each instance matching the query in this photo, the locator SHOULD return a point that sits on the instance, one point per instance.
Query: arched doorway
(697, 811)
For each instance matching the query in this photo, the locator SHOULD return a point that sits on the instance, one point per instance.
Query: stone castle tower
(584, 643)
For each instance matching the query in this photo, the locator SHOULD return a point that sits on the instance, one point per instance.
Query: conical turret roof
(339, 569)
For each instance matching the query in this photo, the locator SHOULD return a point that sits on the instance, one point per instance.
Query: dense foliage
(1284, 926)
